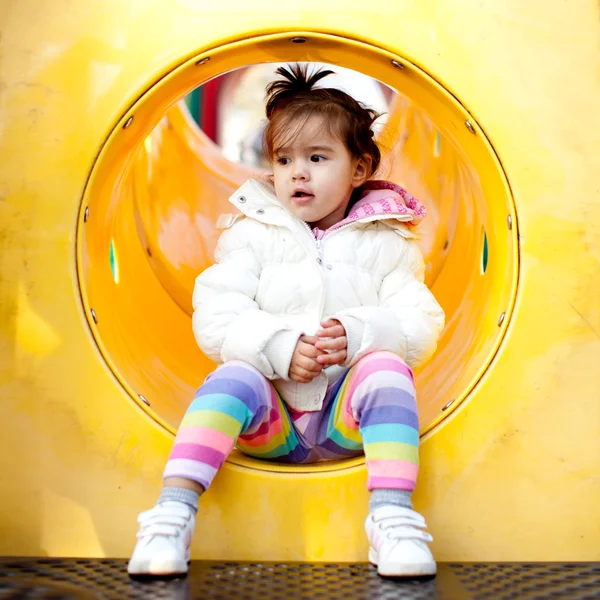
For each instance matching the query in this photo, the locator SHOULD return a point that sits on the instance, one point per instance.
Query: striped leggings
(370, 409)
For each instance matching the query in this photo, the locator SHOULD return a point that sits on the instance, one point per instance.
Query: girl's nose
(300, 172)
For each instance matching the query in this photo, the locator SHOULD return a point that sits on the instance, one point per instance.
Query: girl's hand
(304, 366)
(335, 349)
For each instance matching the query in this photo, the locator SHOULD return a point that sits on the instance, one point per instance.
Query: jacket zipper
(320, 258)
(305, 225)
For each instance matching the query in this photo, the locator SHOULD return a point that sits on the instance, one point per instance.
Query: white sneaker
(164, 538)
(398, 543)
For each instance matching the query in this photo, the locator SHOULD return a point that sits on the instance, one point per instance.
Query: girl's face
(315, 175)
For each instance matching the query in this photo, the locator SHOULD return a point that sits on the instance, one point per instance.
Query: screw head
(242, 199)
(128, 123)
(143, 400)
(86, 214)
(509, 221)
(501, 319)
(398, 65)
(202, 61)
(470, 127)
(298, 40)
(448, 404)
(94, 317)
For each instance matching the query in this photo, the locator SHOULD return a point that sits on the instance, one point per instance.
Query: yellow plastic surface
(97, 157)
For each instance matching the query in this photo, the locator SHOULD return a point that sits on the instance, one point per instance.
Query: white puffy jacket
(273, 281)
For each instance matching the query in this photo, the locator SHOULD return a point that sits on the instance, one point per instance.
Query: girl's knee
(240, 381)
(381, 355)
(381, 379)
(239, 364)
(384, 360)
(236, 370)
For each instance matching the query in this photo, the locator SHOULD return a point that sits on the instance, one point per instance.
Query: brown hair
(293, 100)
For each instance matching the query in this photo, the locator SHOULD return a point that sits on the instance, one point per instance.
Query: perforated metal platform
(90, 579)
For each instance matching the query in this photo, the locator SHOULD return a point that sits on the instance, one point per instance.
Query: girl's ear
(361, 173)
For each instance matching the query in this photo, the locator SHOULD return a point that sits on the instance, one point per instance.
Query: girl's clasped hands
(315, 352)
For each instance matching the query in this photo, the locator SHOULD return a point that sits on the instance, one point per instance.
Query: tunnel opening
(148, 215)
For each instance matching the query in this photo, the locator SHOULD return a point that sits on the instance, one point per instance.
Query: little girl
(317, 313)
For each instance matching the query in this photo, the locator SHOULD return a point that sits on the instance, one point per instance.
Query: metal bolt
(501, 319)
(202, 61)
(94, 317)
(149, 252)
(446, 244)
(86, 214)
(242, 199)
(260, 211)
(509, 221)
(470, 127)
(298, 40)
(128, 123)
(143, 400)
(448, 404)
(398, 65)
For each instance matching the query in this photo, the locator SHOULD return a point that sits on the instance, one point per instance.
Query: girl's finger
(335, 331)
(310, 365)
(335, 358)
(329, 323)
(303, 374)
(338, 343)
(309, 350)
(298, 373)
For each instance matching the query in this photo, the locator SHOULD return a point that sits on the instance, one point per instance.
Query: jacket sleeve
(228, 323)
(408, 320)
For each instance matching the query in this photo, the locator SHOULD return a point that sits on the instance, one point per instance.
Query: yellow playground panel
(109, 195)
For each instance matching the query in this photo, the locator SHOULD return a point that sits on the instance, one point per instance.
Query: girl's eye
(317, 158)
(283, 160)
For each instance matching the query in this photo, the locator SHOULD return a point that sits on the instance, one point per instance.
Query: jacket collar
(256, 199)
(253, 195)
(388, 200)
(380, 201)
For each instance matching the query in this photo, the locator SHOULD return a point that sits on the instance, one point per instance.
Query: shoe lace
(168, 521)
(404, 527)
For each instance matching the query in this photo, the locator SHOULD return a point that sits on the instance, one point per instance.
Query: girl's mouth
(301, 197)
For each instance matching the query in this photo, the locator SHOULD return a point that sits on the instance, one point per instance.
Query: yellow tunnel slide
(109, 195)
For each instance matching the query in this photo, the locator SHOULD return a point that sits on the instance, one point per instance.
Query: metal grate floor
(106, 579)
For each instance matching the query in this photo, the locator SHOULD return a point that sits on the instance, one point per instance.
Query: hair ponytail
(296, 82)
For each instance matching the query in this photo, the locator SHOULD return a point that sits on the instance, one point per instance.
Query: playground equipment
(108, 199)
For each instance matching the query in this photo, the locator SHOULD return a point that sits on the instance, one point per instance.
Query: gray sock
(380, 497)
(188, 497)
